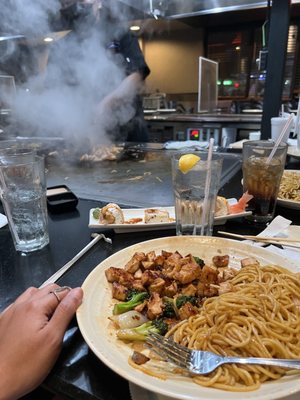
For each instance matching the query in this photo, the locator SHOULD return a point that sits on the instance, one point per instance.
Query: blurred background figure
(104, 60)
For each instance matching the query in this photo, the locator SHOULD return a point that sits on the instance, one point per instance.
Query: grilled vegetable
(181, 300)
(96, 213)
(199, 261)
(169, 308)
(135, 300)
(130, 319)
(140, 333)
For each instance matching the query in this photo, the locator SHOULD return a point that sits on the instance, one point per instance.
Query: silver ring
(58, 290)
(56, 295)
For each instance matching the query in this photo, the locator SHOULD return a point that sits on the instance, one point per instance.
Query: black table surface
(78, 373)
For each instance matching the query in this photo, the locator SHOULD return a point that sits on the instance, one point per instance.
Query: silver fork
(202, 362)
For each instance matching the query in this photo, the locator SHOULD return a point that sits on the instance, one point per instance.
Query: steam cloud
(60, 102)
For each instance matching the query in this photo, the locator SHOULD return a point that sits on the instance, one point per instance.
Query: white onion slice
(130, 319)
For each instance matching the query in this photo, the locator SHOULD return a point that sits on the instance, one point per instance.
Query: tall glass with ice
(192, 191)
(261, 178)
(23, 194)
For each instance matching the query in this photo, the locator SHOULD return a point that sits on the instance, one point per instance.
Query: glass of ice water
(192, 194)
(23, 194)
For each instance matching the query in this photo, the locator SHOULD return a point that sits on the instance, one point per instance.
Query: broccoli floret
(141, 332)
(181, 300)
(169, 311)
(132, 292)
(160, 325)
(96, 213)
(135, 300)
(199, 261)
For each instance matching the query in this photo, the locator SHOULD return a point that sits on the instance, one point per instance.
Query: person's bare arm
(120, 102)
(31, 334)
(125, 92)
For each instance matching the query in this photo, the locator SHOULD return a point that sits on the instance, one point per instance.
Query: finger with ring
(59, 290)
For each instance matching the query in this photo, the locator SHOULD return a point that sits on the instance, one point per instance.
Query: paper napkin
(281, 227)
(3, 220)
(276, 227)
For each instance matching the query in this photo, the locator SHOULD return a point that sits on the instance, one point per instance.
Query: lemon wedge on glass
(187, 162)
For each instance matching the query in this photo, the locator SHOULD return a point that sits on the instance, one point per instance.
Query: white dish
(130, 213)
(293, 204)
(97, 304)
(293, 151)
(251, 111)
(141, 226)
(139, 393)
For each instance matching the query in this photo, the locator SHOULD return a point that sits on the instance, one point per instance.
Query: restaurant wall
(173, 59)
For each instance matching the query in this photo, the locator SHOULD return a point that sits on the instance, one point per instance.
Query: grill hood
(175, 9)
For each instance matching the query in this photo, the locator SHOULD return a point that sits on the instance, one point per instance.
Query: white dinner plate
(93, 318)
(293, 204)
(141, 226)
(293, 151)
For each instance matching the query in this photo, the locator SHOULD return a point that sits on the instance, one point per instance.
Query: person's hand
(31, 334)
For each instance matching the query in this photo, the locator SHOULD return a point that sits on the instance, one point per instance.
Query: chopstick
(53, 278)
(265, 239)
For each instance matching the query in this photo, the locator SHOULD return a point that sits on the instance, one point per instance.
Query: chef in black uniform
(84, 18)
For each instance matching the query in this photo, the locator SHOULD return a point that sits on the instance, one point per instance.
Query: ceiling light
(48, 39)
(135, 28)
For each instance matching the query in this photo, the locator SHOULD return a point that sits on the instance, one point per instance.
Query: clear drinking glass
(262, 179)
(7, 91)
(16, 156)
(23, 194)
(189, 193)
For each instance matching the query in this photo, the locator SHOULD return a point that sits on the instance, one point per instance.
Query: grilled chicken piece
(135, 262)
(119, 292)
(224, 274)
(171, 289)
(172, 260)
(188, 273)
(157, 285)
(132, 266)
(206, 290)
(148, 264)
(185, 260)
(159, 261)
(139, 358)
(249, 261)
(166, 254)
(189, 290)
(149, 276)
(186, 311)
(126, 279)
(221, 261)
(155, 306)
(225, 287)
(139, 255)
(137, 284)
(138, 274)
(169, 271)
(151, 256)
(114, 274)
(140, 308)
(209, 274)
